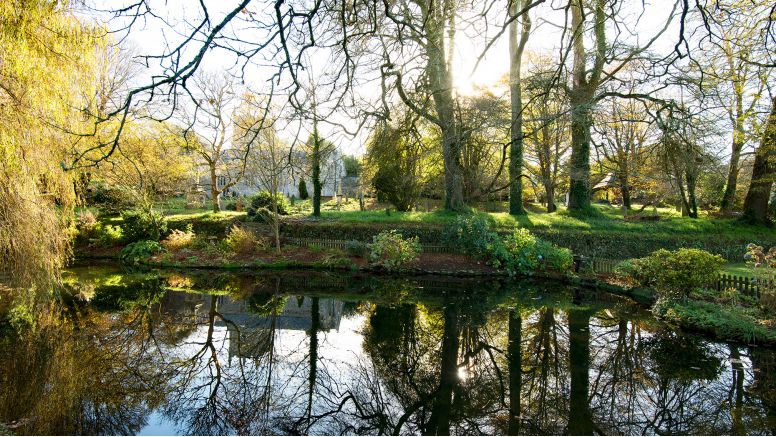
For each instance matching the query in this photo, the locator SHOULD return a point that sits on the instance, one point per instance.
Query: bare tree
(208, 130)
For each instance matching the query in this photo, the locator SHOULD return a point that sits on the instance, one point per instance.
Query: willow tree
(47, 56)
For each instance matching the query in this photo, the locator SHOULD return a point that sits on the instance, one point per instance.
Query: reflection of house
(332, 175)
(249, 333)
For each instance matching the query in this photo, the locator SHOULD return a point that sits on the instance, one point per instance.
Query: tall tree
(516, 49)
(209, 129)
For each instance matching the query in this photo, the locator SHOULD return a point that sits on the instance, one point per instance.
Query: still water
(312, 353)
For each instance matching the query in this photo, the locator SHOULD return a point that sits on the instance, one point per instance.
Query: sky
(152, 36)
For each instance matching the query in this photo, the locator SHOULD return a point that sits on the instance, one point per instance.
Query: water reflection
(303, 353)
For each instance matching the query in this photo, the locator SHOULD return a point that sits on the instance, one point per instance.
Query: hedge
(613, 245)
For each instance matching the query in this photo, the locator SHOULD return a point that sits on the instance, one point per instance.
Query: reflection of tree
(580, 419)
(514, 358)
(544, 383)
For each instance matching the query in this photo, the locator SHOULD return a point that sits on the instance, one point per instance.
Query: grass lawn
(607, 219)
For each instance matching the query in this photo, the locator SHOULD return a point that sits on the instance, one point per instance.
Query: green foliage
(303, 194)
(21, 319)
(109, 199)
(263, 200)
(471, 234)
(520, 252)
(527, 254)
(140, 225)
(352, 166)
(140, 250)
(674, 273)
(108, 235)
(357, 249)
(389, 249)
(723, 321)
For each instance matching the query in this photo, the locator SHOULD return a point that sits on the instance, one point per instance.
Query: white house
(332, 174)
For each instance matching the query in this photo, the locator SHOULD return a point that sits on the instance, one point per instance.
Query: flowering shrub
(389, 249)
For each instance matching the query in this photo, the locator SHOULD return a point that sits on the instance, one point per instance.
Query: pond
(304, 352)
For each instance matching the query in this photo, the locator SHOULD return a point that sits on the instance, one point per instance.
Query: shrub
(520, 252)
(142, 225)
(389, 249)
(675, 273)
(86, 220)
(110, 200)
(241, 241)
(108, 235)
(139, 250)
(471, 234)
(303, 194)
(357, 249)
(179, 239)
(263, 199)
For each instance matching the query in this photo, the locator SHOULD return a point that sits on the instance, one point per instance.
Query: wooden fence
(746, 285)
(602, 265)
(342, 244)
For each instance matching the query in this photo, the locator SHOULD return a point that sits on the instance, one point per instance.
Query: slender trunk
(215, 193)
(316, 158)
(692, 203)
(275, 215)
(516, 48)
(728, 197)
(756, 202)
(738, 143)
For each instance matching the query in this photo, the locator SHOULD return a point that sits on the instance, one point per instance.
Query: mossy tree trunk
(763, 173)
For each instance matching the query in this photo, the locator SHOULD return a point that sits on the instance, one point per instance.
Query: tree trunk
(625, 190)
(579, 163)
(549, 189)
(441, 84)
(756, 202)
(692, 203)
(215, 193)
(730, 187)
(316, 158)
(516, 48)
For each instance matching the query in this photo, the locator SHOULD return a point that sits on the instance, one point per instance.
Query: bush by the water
(179, 239)
(357, 248)
(674, 273)
(389, 249)
(241, 241)
(263, 200)
(140, 225)
(139, 250)
(520, 252)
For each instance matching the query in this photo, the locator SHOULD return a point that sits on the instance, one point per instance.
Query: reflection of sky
(339, 351)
